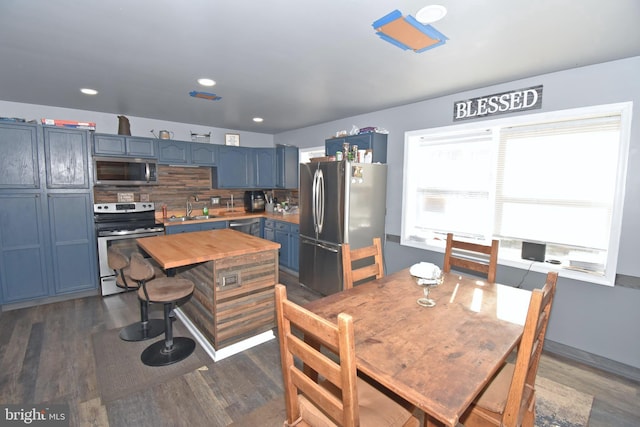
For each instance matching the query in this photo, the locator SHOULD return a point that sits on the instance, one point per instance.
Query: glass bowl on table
(428, 276)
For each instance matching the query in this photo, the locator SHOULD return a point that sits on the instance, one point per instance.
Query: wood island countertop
(177, 250)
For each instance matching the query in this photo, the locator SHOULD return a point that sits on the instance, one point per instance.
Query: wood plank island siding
(234, 297)
(234, 276)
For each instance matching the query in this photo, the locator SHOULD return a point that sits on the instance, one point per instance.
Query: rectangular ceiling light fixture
(407, 33)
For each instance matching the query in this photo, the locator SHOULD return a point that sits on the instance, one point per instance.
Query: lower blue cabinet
(200, 226)
(288, 235)
(47, 245)
(23, 248)
(73, 242)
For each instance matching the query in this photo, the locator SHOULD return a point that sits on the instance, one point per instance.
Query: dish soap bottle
(205, 210)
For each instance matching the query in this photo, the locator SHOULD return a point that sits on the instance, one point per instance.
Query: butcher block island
(234, 274)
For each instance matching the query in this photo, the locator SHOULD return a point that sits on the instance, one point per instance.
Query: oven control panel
(123, 207)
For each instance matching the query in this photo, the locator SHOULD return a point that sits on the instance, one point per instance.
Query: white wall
(596, 319)
(140, 126)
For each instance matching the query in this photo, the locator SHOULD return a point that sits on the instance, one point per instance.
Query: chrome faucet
(189, 205)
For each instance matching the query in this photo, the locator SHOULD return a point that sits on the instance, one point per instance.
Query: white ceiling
(294, 63)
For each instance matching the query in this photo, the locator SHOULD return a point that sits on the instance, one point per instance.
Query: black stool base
(157, 355)
(135, 332)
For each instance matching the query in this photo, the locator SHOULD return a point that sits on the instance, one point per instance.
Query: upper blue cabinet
(376, 142)
(124, 146)
(185, 153)
(287, 165)
(235, 168)
(67, 158)
(203, 154)
(19, 156)
(174, 152)
(264, 163)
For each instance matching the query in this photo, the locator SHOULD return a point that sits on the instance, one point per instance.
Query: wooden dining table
(438, 358)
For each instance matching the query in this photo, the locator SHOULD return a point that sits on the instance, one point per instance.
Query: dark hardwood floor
(46, 356)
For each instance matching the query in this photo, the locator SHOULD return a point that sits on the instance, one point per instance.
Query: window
(553, 178)
(310, 153)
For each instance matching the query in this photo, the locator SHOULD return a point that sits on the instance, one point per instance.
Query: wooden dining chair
(509, 400)
(362, 269)
(339, 397)
(487, 268)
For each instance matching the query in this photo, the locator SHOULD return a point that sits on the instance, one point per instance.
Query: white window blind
(556, 181)
(555, 178)
(455, 178)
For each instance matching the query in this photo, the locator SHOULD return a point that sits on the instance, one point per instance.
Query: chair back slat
(354, 263)
(486, 267)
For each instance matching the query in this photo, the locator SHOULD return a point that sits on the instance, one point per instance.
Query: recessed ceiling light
(87, 91)
(430, 14)
(258, 119)
(206, 82)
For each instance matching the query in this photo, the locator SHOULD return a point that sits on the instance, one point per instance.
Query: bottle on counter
(205, 210)
(164, 211)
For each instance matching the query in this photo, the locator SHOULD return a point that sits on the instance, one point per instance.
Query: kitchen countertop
(224, 215)
(177, 250)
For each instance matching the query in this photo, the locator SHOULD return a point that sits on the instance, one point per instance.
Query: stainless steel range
(118, 225)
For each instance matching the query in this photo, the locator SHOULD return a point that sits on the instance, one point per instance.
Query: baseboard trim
(593, 360)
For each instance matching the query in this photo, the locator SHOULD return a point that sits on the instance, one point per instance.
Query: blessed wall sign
(500, 103)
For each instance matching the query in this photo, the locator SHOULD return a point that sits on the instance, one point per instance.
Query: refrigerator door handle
(314, 201)
(328, 248)
(320, 214)
(319, 245)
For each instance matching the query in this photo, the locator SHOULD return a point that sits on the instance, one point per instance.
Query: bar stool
(119, 263)
(141, 271)
(170, 291)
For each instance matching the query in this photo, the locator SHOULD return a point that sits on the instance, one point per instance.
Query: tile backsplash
(176, 184)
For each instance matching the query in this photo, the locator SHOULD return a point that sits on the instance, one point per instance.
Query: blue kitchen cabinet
(47, 239)
(19, 156)
(214, 225)
(67, 158)
(199, 226)
(235, 168)
(124, 146)
(23, 247)
(141, 147)
(264, 163)
(182, 228)
(282, 237)
(174, 152)
(376, 142)
(288, 235)
(268, 230)
(204, 154)
(73, 242)
(287, 165)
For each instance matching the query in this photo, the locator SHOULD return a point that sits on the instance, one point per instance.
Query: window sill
(540, 267)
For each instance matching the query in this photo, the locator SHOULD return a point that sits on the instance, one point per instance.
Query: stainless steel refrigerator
(340, 202)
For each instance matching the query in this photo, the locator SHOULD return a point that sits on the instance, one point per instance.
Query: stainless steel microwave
(124, 171)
